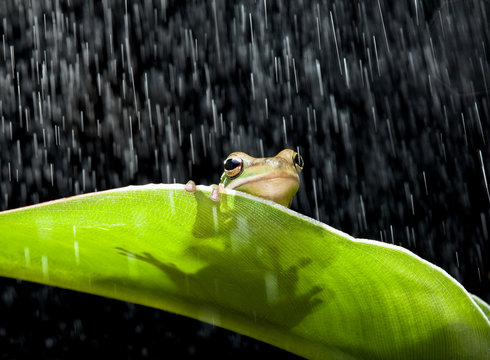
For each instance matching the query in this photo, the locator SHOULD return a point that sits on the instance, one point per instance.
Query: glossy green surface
(247, 265)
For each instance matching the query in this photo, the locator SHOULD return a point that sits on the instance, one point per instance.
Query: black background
(387, 102)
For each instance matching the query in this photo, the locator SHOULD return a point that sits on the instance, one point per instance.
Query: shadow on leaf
(237, 269)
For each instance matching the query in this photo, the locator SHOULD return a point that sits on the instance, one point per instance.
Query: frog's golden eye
(298, 161)
(233, 166)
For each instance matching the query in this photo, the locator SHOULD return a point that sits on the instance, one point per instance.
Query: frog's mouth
(278, 186)
(262, 179)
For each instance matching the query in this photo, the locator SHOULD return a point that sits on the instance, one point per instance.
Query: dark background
(387, 101)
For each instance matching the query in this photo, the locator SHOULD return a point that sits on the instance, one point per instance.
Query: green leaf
(483, 305)
(248, 265)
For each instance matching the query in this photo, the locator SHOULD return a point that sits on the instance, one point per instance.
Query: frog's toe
(190, 187)
(214, 195)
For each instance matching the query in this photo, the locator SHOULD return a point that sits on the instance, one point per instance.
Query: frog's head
(275, 178)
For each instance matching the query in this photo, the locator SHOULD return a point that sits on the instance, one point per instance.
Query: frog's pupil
(298, 160)
(231, 164)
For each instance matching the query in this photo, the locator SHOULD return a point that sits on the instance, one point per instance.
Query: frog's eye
(233, 166)
(298, 161)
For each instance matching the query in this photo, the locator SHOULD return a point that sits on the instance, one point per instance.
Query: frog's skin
(275, 178)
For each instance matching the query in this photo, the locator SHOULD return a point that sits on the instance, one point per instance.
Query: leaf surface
(248, 265)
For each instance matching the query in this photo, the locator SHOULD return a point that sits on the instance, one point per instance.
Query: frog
(275, 178)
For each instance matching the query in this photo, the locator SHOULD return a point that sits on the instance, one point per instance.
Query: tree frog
(275, 178)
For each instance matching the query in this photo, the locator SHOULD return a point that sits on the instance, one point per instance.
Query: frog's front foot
(190, 187)
(216, 190)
